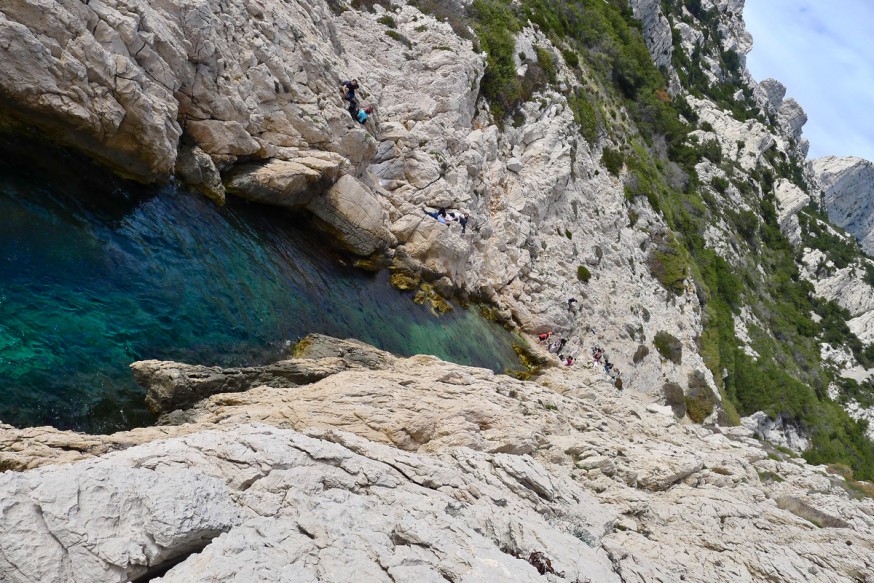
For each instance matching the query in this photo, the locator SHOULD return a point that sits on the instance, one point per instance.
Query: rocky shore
(392, 469)
(346, 463)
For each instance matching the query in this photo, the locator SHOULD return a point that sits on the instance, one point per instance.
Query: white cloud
(822, 53)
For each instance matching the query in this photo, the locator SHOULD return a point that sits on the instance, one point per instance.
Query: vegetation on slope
(604, 46)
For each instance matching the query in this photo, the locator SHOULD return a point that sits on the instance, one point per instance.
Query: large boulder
(352, 213)
(173, 385)
(222, 138)
(284, 183)
(437, 247)
(197, 169)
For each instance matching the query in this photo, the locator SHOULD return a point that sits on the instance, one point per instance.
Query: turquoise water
(96, 273)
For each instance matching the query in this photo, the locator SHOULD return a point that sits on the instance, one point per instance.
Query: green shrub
(387, 20)
(583, 274)
(568, 234)
(747, 224)
(719, 184)
(711, 150)
(496, 26)
(613, 161)
(546, 60)
(393, 34)
(869, 273)
(584, 115)
(570, 58)
(669, 347)
(700, 399)
(667, 263)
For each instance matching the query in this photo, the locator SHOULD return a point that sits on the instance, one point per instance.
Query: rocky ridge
(398, 469)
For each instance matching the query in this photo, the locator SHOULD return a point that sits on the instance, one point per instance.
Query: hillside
(617, 153)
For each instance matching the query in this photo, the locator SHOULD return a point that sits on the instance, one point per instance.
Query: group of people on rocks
(556, 347)
(445, 218)
(599, 357)
(347, 90)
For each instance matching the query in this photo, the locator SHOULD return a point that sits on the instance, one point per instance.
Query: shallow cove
(96, 273)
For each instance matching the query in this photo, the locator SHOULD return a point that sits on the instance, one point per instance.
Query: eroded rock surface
(411, 468)
(848, 185)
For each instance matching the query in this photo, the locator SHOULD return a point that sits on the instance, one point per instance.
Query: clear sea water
(96, 273)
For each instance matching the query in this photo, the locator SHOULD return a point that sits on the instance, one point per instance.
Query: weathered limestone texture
(354, 216)
(417, 469)
(346, 463)
(848, 185)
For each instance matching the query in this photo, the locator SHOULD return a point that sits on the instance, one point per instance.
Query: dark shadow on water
(96, 273)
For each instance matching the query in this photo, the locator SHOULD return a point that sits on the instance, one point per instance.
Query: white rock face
(845, 286)
(863, 327)
(790, 200)
(439, 471)
(848, 184)
(771, 93)
(743, 142)
(791, 118)
(777, 431)
(657, 34)
(109, 519)
(94, 78)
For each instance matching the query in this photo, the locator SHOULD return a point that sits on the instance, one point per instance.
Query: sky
(823, 52)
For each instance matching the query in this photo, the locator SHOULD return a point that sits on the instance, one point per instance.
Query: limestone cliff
(253, 88)
(849, 198)
(671, 204)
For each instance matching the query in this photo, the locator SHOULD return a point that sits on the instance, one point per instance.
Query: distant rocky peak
(848, 187)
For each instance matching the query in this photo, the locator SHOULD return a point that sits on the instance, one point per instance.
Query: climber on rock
(462, 220)
(440, 218)
(542, 338)
(347, 90)
(362, 115)
(557, 346)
